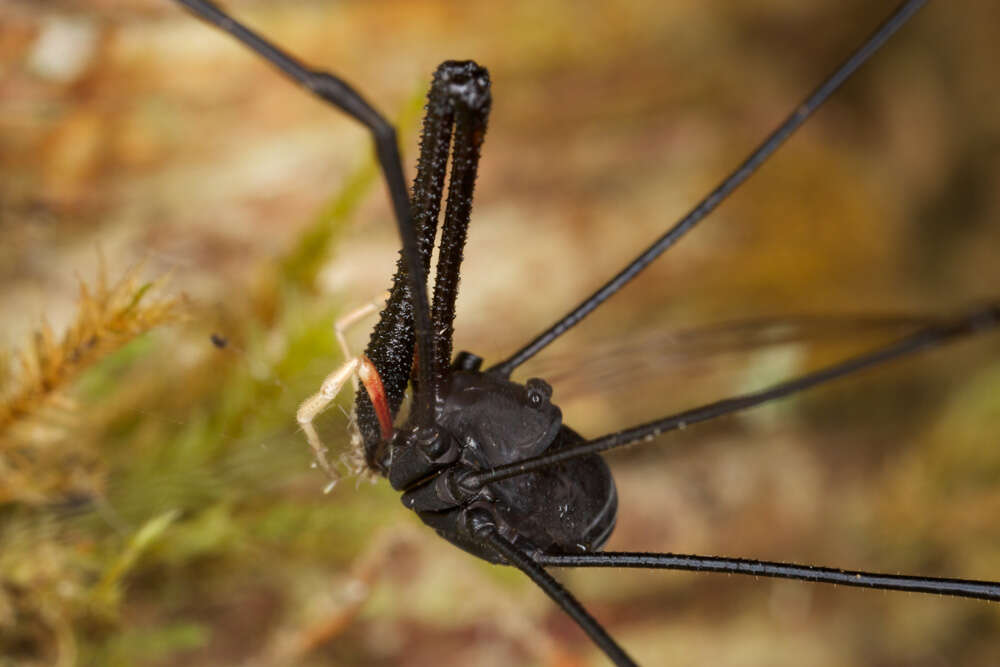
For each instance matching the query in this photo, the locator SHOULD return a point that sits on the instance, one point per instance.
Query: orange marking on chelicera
(373, 385)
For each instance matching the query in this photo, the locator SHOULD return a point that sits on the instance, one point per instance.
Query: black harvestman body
(469, 493)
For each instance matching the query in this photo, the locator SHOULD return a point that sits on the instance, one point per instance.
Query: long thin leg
(979, 321)
(337, 92)
(719, 194)
(487, 532)
(963, 588)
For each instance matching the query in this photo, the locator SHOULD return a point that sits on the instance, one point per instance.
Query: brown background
(170, 145)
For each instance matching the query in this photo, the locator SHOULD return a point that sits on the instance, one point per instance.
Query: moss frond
(37, 459)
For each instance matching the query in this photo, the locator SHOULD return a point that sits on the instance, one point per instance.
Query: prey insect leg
(355, 368)
(330, 389)
(347, 322)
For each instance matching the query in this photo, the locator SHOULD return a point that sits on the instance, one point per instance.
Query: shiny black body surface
(567, 508)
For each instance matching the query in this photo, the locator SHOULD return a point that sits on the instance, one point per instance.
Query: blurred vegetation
(157, 504)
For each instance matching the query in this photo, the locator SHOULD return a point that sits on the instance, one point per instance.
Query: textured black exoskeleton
(486, 461)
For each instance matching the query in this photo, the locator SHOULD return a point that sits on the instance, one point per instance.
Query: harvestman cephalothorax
(485, 461)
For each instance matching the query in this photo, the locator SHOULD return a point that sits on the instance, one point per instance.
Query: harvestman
(485, 461)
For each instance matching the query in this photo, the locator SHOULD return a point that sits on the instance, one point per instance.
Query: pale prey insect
(484, 460)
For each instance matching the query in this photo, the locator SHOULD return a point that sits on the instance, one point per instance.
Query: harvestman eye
(486, 461)
(538, 392)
